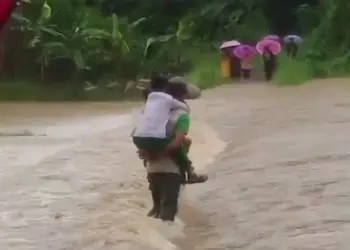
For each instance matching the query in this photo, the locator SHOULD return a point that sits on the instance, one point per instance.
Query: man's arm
(176, 142)
(181, 130)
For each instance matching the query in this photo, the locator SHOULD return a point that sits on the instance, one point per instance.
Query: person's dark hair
(176, 90)
(158, 82)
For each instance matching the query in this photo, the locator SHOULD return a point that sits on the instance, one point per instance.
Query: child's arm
(176, 104)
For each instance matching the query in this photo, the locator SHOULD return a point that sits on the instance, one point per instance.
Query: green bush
(292, 71)
(92, 40)
(206, 71)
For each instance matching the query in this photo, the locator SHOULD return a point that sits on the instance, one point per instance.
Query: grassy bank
(205, 73)
(292, 71)
(310, 65)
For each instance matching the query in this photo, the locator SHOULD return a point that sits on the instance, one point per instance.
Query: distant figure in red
(6, 8)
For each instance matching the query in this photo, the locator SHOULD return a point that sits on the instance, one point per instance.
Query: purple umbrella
(244, 51)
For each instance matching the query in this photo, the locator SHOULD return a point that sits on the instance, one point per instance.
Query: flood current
(277, 158)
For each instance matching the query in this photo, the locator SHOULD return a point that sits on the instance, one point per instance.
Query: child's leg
(187, 144)
(180, 157)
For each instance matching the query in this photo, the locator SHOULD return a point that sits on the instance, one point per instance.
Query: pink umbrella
(244, 51)
(272, 45)
(272, 37)
(229, 44)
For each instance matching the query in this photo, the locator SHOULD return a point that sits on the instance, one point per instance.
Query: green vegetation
(206, 70)
(326, 50)
(55, 49)
(292, 71)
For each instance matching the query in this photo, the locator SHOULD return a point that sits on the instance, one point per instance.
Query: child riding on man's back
(150, 133)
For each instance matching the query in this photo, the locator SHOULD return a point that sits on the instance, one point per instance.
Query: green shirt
(183, 123)
(179, 121)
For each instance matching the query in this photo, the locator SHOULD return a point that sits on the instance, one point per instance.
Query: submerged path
(282, 181)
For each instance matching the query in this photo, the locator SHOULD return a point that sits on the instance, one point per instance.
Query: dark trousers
(235, 67)
(165, 190)
(246, 73)
(269, 69)
(292, 50)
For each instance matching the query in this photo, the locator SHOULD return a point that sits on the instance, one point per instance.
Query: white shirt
(156, 115)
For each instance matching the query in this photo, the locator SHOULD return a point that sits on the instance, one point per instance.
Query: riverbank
(63, 92)
(205, 74)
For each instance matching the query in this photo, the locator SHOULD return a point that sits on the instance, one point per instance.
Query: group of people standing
(238, 58)
(161, 139)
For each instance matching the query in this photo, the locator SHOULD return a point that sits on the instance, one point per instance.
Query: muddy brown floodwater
(278, 160)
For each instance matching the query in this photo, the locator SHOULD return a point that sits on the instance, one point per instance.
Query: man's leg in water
(171, 183)
(165, 188)
(155, 186)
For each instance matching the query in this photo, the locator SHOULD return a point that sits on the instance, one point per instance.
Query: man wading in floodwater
(164, 174)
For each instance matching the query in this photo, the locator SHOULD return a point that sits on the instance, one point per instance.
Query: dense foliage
(105, 40)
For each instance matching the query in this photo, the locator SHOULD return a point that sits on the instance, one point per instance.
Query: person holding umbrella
(291, 43)
(269, 49)
(246, 54)
(270, 63)
(230, 64)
